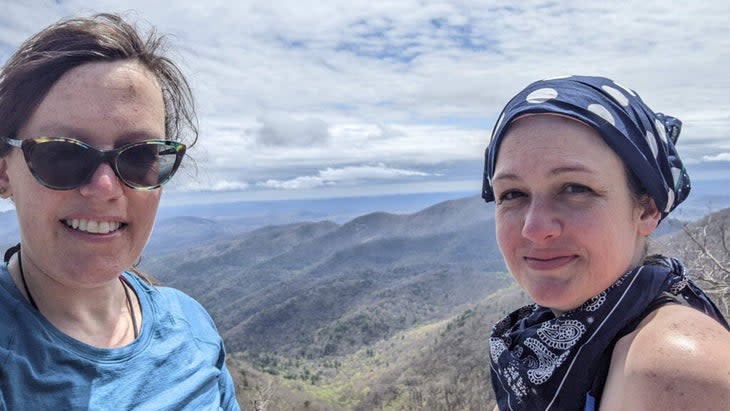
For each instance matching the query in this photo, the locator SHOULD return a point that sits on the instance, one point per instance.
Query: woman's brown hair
(45, 57)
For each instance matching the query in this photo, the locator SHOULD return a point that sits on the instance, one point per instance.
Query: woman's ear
(649, 216)
(5, 190)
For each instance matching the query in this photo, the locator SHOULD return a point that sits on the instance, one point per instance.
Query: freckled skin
(677, 359)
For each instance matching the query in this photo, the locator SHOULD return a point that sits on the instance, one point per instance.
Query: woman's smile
(93, 226)
(549, 263)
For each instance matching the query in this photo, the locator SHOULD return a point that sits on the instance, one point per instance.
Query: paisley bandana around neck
(540, 362)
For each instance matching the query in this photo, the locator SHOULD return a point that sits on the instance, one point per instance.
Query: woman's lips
(550, 263)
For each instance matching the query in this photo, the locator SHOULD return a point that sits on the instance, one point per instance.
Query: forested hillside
(314, 289)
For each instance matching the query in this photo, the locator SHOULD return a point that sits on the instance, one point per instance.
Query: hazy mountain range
(324, 288)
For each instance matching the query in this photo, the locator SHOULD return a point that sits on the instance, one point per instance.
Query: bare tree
(708, 256)
(264, 395)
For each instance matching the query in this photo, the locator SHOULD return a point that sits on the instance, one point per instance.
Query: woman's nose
(542, 222)
(104, 183)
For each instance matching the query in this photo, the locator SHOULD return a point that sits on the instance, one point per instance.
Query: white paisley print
(561, 334)
(596, 302)
(547, 361)
(514, 380)
(496, 348)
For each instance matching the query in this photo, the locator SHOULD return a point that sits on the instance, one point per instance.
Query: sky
(317, 99)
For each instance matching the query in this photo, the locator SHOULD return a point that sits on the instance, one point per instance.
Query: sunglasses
(66, 163)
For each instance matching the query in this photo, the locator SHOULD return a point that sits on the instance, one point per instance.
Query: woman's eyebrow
(578, 168)
(506, 176)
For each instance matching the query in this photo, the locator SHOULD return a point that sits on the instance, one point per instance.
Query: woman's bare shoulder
(678, 358)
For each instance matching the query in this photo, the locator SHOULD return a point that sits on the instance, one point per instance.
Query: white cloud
(216, 186)
(718, 157)
(303, 182)
(345, 175)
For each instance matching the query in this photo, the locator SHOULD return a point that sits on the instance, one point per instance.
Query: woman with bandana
(92, 123)
(582, 171)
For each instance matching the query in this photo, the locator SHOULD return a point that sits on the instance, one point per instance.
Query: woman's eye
(510, 195)
(576, 189)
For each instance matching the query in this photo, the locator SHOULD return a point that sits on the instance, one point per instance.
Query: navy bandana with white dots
(644, 140)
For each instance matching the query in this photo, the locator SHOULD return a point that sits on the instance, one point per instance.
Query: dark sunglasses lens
(148, 165)
(61, 164)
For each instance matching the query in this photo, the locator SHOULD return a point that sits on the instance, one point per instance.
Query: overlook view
(325, 208)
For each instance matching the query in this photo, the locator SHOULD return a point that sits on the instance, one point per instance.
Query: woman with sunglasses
(582, 171)
(92, 120)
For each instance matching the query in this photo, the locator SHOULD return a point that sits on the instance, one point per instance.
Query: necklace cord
(25, 283)
(130, 306)
(10, 251)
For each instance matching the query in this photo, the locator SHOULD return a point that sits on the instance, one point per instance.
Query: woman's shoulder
(178, 301)
(677, 358)
(681, 333)
(170, 301)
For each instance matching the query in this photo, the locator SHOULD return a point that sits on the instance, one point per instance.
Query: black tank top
(599, 381)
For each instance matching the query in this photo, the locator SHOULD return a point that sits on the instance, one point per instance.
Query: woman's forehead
(543, 138)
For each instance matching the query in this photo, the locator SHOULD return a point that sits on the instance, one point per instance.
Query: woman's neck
(98, 316)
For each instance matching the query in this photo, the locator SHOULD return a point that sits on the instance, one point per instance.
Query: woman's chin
(558, 300)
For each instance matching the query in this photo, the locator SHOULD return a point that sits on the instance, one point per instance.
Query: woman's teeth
(94, 227)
